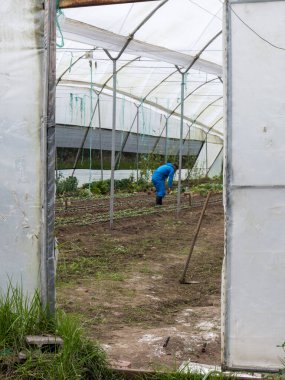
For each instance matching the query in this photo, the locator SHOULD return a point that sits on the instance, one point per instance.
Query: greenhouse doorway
(124, 283)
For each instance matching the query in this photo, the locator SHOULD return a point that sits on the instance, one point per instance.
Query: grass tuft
(79, 358)
(20, 316)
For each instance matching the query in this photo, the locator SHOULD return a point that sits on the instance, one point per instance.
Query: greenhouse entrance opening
(126, 104)
(124, 283)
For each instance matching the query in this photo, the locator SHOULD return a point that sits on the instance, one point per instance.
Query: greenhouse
(99, 98)
(148, 80)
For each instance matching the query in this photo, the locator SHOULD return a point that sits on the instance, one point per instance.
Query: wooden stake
(182, 279)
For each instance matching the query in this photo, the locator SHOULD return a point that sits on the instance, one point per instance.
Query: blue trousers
(160, 188)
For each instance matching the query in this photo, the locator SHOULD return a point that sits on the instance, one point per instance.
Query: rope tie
(58, 14)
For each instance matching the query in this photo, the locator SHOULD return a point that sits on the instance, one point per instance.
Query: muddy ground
(124, 285)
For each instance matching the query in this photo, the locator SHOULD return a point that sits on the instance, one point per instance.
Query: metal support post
(180, 144)
(48, 256)
(114, 60)
(206, 142)
(188, 155)
(91, 118)
(137, 158)
(183, 73)
(166, 140)
(100, 139)
(112, 189)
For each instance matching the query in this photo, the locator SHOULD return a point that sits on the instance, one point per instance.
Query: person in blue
(159, 177)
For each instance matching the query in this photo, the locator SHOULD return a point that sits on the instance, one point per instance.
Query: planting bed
(124, 284)
(96, 210)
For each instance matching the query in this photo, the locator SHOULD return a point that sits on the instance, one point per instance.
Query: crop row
(88, 218)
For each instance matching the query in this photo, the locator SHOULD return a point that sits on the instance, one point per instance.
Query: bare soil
(124, 285)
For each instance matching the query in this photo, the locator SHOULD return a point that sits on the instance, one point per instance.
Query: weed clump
(215, 185)
(67, 185)
(125, 185)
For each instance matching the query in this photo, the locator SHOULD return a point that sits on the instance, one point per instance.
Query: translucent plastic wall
(216, 168)
(209, 161)
(72, 137)
(23, 147)
(253, 284)
(73, 108)
(147, 74)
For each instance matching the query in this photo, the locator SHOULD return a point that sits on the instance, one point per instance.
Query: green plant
(100, 187)
(97, 187)
(128, 185)
(20, 316)
(204, 188)
(147, 164)
(66, 185)
(217, 179)
(110, 276)
(186, 376)
(79, 358)
(84, 193)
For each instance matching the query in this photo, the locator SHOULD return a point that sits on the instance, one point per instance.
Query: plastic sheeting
(217, 166)
(72, 136)
(207, 157)
(73, 108)
(92, 35)
(146, 70)
(253, 284)
(21, 91)
(205, 15)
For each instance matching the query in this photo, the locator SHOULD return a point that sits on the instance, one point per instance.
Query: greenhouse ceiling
(153, 43)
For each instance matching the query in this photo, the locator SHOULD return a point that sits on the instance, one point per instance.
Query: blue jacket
(164, 171)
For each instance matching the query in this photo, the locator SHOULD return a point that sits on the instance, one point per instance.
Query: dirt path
(124, 285)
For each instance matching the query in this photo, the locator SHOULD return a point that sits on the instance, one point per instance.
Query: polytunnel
(161, 62)
(143, 78)
(156, 55)
(170, 87)
(150, 65)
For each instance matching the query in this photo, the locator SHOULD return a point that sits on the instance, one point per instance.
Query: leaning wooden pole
(182, 279)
